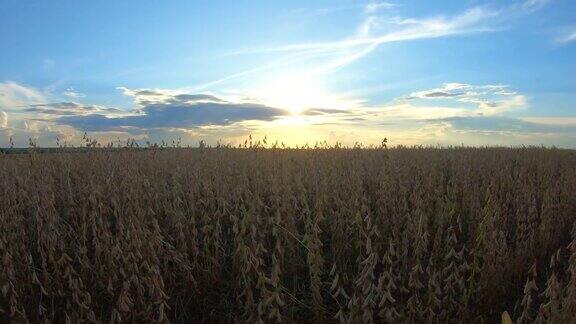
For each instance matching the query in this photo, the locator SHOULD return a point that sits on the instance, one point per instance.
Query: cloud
(156, 111)
(145, 97)
(441, 114)
(371, 34)
(161, 110)
(378, 5)
(43, 133)
(463, 92)
(69, 108)
(533, 5)
(325, 111)
(371, 23)
(498, 107)
(488, 99)
(552, 121)
(72, 93)
(508, 125)
(14, 95)
(567, 37)
(377, 29)
(409, 111)
(467, 22)
(32, 115)
(448, 90)
(3, 119)
(450, 100)
(441, 94)
(479, 115)
(347, 51)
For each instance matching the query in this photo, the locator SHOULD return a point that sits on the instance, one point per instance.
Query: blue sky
(417, 72)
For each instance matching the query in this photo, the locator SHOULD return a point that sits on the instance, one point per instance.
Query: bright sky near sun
(417, 72)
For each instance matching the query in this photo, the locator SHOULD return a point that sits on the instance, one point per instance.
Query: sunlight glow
(297, 92)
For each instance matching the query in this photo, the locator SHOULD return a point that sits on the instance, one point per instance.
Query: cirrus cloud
(567, 37)
(14, 95)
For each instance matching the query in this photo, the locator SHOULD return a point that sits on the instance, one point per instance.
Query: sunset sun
(294, 93)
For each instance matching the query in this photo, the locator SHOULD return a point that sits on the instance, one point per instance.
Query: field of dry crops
(285, 235)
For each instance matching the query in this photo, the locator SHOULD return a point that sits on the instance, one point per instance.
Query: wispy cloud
(374, 6)
(380, 27)
(374, 31)
(286, 60)
(567, 37)
(14, 95)
(469, 21)
(72, 93)
(533, 5)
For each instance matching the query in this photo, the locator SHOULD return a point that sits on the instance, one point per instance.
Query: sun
(296, 93)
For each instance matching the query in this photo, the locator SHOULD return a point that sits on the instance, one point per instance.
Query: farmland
(254, 235)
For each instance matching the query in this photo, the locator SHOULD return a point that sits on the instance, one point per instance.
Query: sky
(416, 72)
